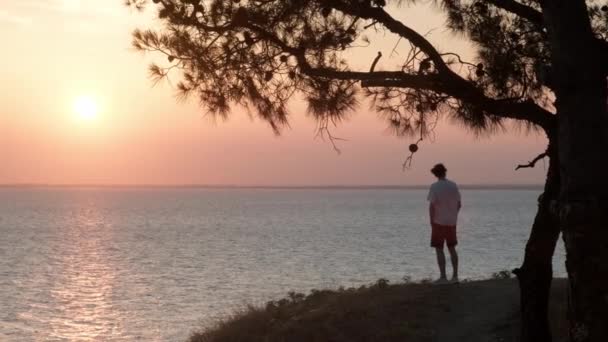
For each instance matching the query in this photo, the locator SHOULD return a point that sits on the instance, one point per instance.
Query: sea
(158, 263)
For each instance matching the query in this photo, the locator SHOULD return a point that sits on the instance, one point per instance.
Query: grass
(473, 311)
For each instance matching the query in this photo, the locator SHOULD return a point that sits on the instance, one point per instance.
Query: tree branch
(379, 15)
(536, 17)
(533, 162)
(445, 81)
(520, 10)
(449, 82)
(371, 69)
(506, 108)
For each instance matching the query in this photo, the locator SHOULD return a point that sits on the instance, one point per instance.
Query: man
(444, 205)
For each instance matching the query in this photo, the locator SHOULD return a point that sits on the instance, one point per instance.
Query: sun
(85, 108)
(71, 5)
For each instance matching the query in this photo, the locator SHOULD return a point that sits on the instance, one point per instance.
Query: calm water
(153, 264)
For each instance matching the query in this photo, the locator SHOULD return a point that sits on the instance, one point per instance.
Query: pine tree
(540, 64)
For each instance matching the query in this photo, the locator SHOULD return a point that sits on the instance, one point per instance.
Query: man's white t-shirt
(445, 197)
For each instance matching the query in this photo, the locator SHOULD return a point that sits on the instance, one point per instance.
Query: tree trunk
(536, 273)
(581, 101)
(584, 216)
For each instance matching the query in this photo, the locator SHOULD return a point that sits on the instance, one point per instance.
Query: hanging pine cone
(248, 38)
(479, 72)
(268, 76)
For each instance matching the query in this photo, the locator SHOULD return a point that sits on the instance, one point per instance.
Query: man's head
(439, 171)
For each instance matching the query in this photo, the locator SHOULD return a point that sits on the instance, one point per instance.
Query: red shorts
(441, 234)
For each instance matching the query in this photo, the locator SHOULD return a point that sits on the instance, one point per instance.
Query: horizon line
(263, 186)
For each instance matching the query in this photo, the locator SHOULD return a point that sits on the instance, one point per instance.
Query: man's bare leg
(441, 262)
(454, 259)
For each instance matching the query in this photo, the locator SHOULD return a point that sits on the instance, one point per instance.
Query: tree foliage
(535, 62)
(259, 53)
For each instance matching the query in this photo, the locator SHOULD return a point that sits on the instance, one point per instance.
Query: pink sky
(58, 50)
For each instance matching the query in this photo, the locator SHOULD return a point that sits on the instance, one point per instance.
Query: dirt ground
(489, 311)
(472, 311)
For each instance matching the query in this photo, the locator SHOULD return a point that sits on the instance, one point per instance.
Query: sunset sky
(77, 107)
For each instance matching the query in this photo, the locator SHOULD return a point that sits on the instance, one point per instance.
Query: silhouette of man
(444, 205)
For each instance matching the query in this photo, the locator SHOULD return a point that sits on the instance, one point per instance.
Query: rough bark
(536, 273)
(581, 92)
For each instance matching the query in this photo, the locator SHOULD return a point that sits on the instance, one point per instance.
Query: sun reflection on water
(85, 281)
